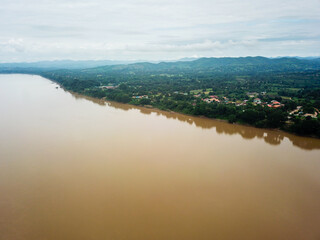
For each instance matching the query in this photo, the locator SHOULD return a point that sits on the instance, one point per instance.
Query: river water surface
(72, 168)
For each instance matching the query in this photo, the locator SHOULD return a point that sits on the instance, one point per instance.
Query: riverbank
(148, 106)
(151, 109)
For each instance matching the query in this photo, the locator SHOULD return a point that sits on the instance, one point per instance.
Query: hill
(223, 65)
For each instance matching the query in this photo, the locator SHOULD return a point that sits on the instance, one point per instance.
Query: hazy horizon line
(154, 60)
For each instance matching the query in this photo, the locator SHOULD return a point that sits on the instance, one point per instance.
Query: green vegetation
(279, 93)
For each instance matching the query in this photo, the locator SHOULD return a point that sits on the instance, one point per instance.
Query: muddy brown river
(73, 168)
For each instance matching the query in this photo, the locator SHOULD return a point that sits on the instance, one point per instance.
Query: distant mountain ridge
(226, 64)
(63, 64)
(216, 65)
(75, 64)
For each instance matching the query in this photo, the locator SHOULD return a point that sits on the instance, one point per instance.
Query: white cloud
(151, 29)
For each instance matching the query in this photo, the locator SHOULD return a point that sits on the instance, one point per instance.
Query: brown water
(73, 168)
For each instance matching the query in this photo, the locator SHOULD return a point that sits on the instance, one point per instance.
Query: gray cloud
(33, 30)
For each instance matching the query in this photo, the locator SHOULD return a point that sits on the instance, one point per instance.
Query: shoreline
(187, 115)
(169, 111)
(152, 108)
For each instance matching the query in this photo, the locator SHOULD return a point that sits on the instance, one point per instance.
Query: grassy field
(201, 91)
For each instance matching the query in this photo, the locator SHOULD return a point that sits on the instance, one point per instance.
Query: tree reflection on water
(272, 137)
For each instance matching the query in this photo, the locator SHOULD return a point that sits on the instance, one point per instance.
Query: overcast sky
(32, 30)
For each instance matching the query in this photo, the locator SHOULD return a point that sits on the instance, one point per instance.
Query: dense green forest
(279, 93)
